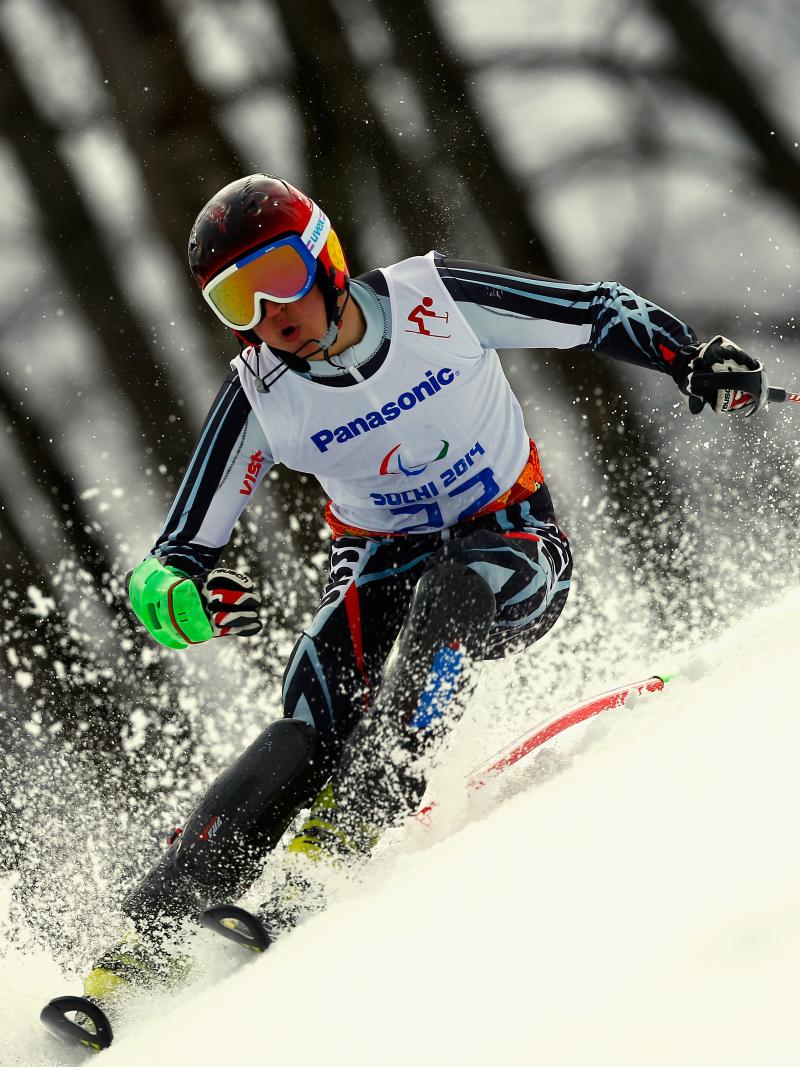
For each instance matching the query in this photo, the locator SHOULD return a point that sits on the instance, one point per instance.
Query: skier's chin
(308, 349)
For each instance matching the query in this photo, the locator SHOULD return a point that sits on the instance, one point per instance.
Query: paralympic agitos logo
(431, 384)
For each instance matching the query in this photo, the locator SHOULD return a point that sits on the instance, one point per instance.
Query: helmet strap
(333, 329)
(335, 315)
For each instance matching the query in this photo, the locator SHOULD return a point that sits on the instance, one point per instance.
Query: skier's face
(295, 327)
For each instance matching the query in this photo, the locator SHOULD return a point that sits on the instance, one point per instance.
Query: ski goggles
(282, 271)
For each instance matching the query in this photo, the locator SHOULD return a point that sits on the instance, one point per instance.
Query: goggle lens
(282, 272)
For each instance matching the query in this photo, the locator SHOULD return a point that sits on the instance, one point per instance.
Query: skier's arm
(228, 463)
(509, 309)
(178, 593)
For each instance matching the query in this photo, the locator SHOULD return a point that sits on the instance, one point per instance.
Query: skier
(445, 549)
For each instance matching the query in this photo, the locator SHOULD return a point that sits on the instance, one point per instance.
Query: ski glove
(722, 375)
(178, 610)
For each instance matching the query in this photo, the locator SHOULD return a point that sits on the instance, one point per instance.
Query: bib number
(434, 519)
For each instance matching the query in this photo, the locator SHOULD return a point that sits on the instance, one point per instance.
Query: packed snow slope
(636, 903)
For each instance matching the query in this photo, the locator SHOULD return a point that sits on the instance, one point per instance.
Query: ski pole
(737, 399)
(777, 396)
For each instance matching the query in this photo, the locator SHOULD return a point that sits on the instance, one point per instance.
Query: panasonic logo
(430, 384)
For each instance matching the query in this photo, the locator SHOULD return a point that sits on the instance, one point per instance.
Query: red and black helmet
(254, 213)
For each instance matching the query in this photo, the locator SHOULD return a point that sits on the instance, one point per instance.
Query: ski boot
(330, 834)
(329, 840)
(129, 966)
(133, 964)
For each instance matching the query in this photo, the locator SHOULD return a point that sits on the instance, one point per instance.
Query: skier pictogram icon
(422, 311)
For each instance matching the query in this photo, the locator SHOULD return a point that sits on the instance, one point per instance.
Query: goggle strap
(316, 232)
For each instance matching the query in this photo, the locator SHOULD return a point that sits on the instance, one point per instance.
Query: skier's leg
(497, 586)
(236, 820)
(248, 807)
(431, 625)
(526, 558)
(337, 666)
(331, 677)
(239, 818)
(219, 852)
(380, 774)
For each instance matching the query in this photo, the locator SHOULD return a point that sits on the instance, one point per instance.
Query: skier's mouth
(289, 333)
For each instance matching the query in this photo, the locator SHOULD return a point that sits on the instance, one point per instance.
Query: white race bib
(434, 436)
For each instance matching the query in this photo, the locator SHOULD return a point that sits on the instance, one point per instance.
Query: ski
(536, 735)
(56, 1016)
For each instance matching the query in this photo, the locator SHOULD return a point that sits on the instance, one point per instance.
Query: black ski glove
(180, 610)
(722, 375)
(231, 602)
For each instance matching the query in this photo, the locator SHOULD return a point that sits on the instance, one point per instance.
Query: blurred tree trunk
(443, 81)
(18, 565)
(169, 118)
(48, 470)
(712, 67)
(346, 144)
(90, 272)
(346, 139)
(623, 442)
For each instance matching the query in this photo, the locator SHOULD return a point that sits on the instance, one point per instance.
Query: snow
(636, 904)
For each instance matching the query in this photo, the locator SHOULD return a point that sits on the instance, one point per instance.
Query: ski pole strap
(168, 603)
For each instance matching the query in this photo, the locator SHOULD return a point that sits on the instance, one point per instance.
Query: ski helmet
(228, 248)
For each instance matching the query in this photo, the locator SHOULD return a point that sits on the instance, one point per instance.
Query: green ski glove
(169, 604)
(180, 611)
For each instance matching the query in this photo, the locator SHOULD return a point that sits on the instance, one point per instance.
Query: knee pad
(456, 595)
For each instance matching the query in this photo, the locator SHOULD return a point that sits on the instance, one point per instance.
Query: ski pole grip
(777, 396)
